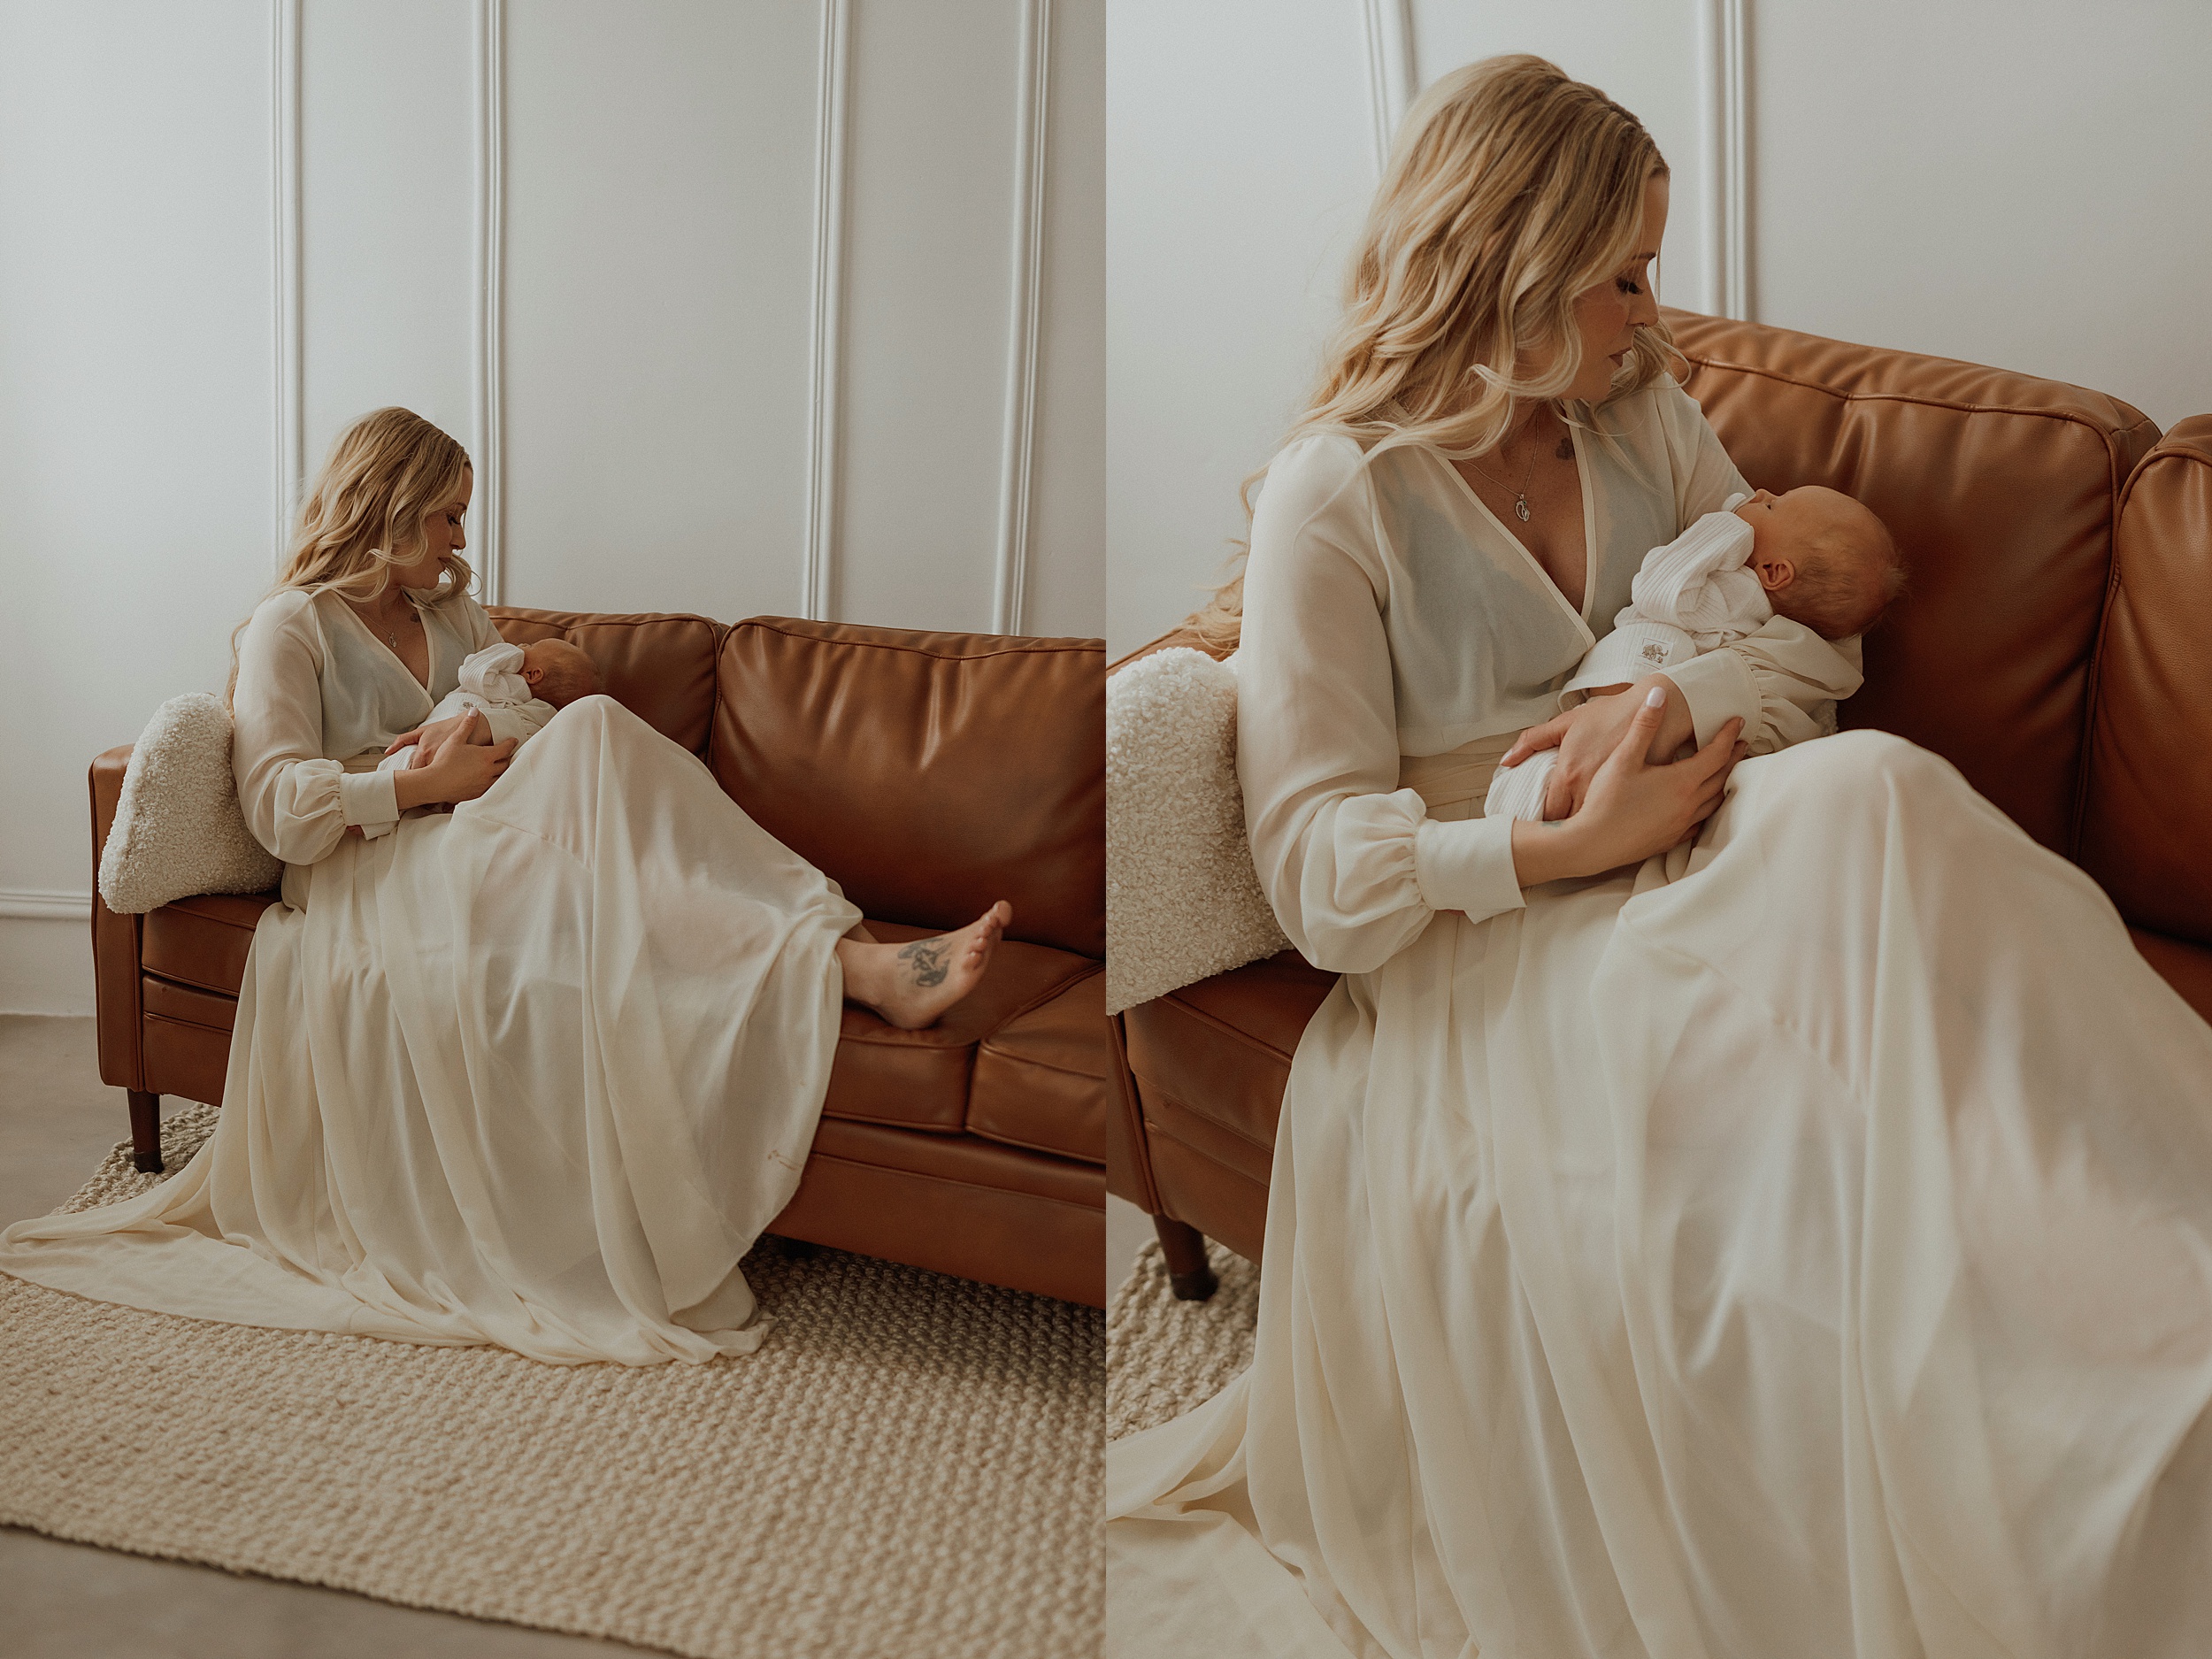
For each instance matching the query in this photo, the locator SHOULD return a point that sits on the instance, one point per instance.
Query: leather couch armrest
(2146, 791)
(115, 943)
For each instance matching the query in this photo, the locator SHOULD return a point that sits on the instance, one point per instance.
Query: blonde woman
(1794, 1240)
(535, 1073)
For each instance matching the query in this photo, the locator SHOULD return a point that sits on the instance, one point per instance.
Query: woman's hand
(436, 733)
(1585, 735)
(1633, 809)
(460, 767)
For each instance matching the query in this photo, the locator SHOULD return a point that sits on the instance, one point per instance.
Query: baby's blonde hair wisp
(1510, 191)
(386, 474)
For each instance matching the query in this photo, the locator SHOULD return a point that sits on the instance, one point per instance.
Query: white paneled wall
(742, 306)
(2021, 184)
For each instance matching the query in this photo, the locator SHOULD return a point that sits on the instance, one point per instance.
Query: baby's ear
(1777, 573)
(531, 673)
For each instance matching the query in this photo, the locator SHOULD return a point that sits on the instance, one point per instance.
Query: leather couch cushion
(955, 1204)
(927, 773)
(2187, 967)
(1211, 1060)
(1044, 1078)
(204, 941)
(2000, 488)
(2149, 793)
(919, 1078)
(660, 667)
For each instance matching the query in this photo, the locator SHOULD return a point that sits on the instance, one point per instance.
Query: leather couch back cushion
(2001, 491)
(661, 668)
(2150, 787)
(927, 773)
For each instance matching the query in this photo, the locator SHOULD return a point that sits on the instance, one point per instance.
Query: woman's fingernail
(1655, 698)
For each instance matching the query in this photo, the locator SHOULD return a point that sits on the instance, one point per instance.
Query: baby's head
(558, 672)
(1824, 559)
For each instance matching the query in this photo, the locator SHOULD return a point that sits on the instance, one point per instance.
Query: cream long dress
(1798, 1246)
(535, 1073)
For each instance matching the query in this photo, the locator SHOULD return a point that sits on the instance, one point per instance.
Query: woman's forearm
(1548, 852)
(416, 787)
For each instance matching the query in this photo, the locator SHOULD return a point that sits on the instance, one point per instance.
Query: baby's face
(1823, 558)
(1785, 526)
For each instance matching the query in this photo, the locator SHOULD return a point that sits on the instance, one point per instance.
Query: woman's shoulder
(1662, 396)
(1661, 422)
(468, 619)
(1308, 473)
(288, 610)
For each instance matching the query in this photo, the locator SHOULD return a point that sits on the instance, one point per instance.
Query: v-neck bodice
(1480, 637)
(368, 696)
(430, 649)
(1506, 531)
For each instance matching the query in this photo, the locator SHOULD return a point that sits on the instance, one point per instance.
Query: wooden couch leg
(145, 1132)
(1188, 1274)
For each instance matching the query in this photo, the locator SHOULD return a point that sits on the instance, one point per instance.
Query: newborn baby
(1812, 555)
(517, 689)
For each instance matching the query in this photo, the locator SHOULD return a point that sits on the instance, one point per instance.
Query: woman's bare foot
(912, 985)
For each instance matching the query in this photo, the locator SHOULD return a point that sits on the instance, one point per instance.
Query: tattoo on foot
(928, 956)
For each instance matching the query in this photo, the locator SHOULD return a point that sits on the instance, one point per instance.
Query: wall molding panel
(1023, 303)
(1392, 77)
(1727, 160)
(22, 904)
(488, 369)
(818, 563)
(284, 168)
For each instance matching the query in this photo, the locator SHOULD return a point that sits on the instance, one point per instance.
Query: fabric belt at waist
(1455, 782)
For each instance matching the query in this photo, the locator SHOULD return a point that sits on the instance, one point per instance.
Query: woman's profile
(1768, 1211)
(535, 1071)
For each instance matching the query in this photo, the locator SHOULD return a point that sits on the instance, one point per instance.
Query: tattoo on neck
(1566, 449)
(928, 958)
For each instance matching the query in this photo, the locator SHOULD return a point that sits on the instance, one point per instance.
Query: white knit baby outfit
(1693, 596)
(492, 684)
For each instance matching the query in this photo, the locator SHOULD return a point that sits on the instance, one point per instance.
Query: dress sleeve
(518, 720)
(1782, 679)
(1352, 864)
(297, 802)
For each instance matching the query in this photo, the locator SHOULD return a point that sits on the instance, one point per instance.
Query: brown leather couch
(928, 774)
(2055, 644)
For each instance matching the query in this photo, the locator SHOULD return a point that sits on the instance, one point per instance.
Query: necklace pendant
(1520, 508)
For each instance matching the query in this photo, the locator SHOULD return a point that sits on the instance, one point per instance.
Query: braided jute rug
(910, 1466)
(1163, 1356)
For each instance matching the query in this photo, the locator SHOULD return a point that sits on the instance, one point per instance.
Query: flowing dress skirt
(1802, 1246)
(535, 1073)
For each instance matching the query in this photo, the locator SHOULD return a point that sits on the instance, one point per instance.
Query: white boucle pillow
(177, 828)
(1182, 900)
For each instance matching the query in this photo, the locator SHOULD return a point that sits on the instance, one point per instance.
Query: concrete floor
(72, 1602)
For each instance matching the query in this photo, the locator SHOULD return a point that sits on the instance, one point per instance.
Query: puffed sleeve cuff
(1717, 686)
(1467, 866)
(369, 799)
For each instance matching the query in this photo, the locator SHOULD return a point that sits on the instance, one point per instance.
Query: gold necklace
(1520, 496)
(389, 635)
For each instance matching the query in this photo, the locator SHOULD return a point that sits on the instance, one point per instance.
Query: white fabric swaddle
(1692, 595)
(492, 684)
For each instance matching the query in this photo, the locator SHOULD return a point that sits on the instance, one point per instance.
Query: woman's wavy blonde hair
(1510, 191)
(385, 476)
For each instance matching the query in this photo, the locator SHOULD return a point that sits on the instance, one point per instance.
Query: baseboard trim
(30, 904)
